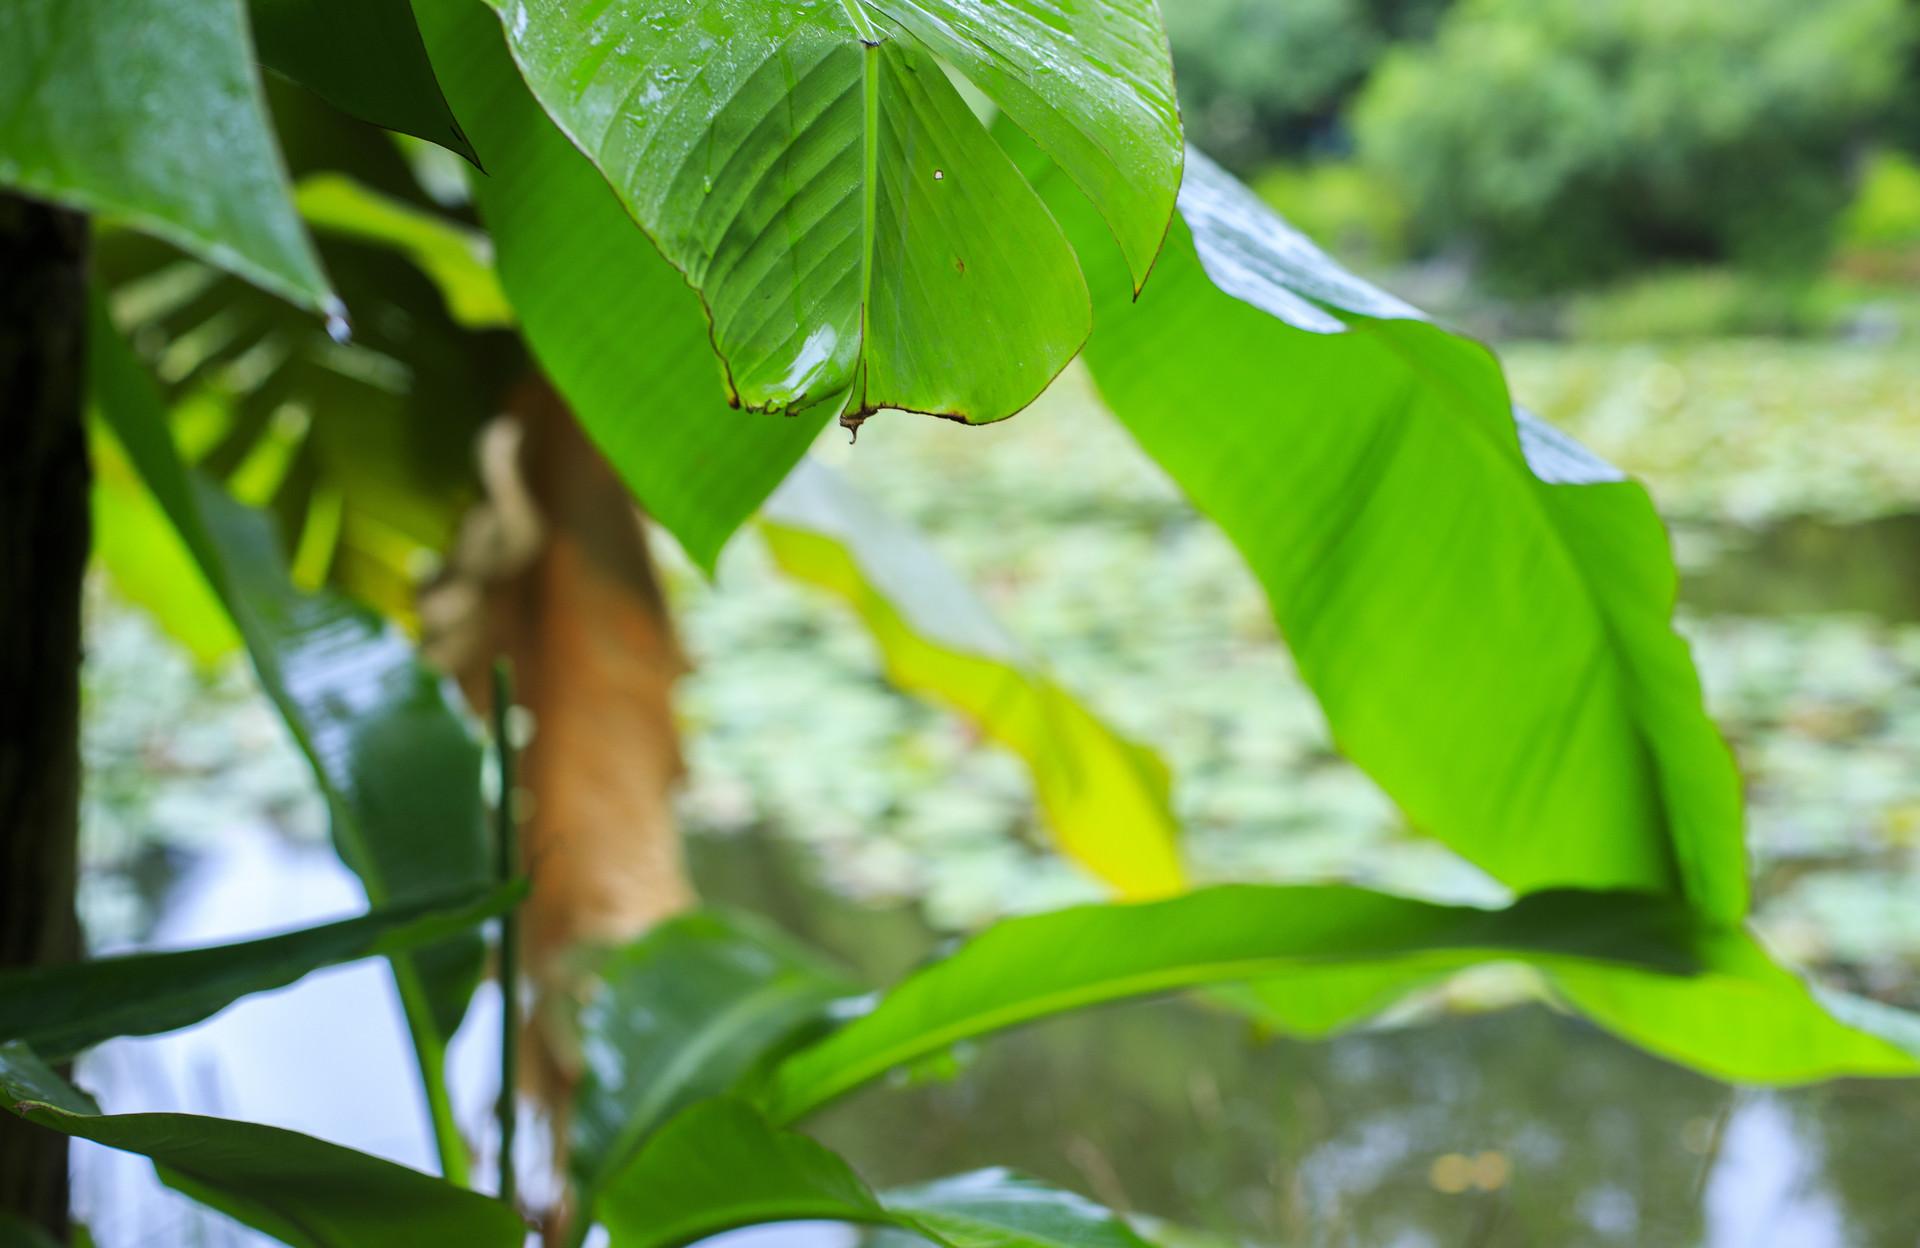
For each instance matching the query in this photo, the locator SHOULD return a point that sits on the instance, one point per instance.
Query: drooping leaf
(61, 1010)
(613, 325)
(1106, 799)
(1482, 608)
(720, 1166)
(818, 180)
(148, 112)
(364, 57)
(681, 1014)
(399, 769)
(302, 1191)
(1024, 969)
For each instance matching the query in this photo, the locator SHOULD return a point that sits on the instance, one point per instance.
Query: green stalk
(506, 868)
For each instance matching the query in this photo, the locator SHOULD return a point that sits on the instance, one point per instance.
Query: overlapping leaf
(302, 1191)
(1105, 798)
(612, 324)
(818, 180)
(400, 771)
(149, 112)
(364, 57)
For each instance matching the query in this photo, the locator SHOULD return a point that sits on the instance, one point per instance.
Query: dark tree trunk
(44, 533)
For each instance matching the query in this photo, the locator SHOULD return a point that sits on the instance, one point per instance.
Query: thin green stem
(506, 868)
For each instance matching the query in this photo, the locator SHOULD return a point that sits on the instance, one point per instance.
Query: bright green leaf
(399, 769)
(1106, 798)
(684, 1013)
(364, 57)
(613, 325)
(148, 112)
(1025, 969)
(998, 1209)
(302, 1191)
(1481, 606)
(854, 232)
(60, 1010)
(457, 258)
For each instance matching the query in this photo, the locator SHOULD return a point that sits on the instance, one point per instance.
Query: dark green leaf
(364, 57)
(827, 191)
(1106, 798)
(1482, 607)
(682, 1014)
(399, 769)
(613, 325)
(1025, 969)
(148, 112)
(300, 1190)
(60, 1010)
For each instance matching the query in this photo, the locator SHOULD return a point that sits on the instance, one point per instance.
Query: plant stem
(506, 868)
(44, 480)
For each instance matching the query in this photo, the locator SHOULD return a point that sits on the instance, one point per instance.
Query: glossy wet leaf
(1106, 799)
(683, 1013)
(612, 324)
(364, 57)
(149, 113)
(398, 767)
(302, 1191)
(721, 1166)
(820, 182)
(61, 1010)
(1025, 969)
(1482, 608)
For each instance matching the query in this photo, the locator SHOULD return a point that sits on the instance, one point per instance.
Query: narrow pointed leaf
(1025, 969)
(1106, 799)
(1482, 607)
(818, 180)
(613, 325)
(720, 1166)
(61, 1010)
(682, 1014)
(399, 769)
(1090, 80)
(364, 57)
(149, 113)
(302, 1191)
(457, 258)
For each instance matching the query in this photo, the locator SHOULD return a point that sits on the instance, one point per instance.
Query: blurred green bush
(1344, 206)
(1568, 141)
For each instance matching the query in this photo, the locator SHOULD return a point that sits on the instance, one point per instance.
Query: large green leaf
(1482, 607)
(1106, 798)
(613, 325)
(681, 1014)
(148, 112)
(364, 57)
(720, 1166)
(1025, 969)
(300, 1190)
(399, 769)
(60, 1010)
(840, 210)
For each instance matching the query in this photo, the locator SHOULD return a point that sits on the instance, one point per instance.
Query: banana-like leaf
(148, 112)
(1106, 799)
(364, 57)
(612, 324)
(820, 182)
(302, 1191)
(681, 1014)
(399, 769)
(1482, 607)
(720, 1166)
(1025, 969)
(458, 259)
(60, 1010)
